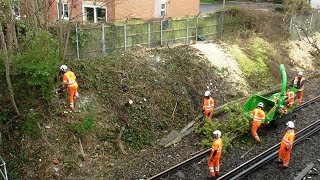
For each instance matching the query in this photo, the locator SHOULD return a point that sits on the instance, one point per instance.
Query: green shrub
(35, 68)
(137, 138)
(83, 127)
(30, 125)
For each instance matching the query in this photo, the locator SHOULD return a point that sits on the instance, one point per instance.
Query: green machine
(274, 106)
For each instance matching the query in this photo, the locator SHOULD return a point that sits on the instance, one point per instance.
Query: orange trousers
(73, 92)
(284, 155)
(208, 113)
(214, 165)
(255, 125)
(299, 97)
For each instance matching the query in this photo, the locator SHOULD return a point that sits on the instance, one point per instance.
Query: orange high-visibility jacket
(208, 103)
(290, 96)
(288, 139)
(69, 79)
(298, 84)
(217, 146)
(258, 114)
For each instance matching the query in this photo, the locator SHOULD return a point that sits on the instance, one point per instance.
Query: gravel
(302, 154)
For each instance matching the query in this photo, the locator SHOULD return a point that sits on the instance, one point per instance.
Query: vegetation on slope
(165, 85)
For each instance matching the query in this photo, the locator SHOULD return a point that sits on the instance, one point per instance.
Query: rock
(181, 175)
(56, 161)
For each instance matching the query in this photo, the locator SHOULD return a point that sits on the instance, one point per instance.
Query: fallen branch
(120, 145)
(247, 152)
(81, 148)
(44, 138)
(174, 110)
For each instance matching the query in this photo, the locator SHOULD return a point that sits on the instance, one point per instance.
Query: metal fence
(3, 169)
(99, 39)
(88, 41)
(301, 26)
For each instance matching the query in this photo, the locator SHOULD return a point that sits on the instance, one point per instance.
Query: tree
(6, 20)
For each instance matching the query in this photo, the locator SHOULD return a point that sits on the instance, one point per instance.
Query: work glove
(202, 111)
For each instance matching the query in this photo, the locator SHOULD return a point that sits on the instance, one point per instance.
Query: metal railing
(3, 169)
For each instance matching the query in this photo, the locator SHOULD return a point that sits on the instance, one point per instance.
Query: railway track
(254, 163)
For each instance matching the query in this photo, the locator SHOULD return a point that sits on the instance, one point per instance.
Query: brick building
(113, 10)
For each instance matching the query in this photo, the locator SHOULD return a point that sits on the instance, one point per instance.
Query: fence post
(125, 34)
(77, 42)
(222, 25)
(149, 35)
(197, 22)
(290, 26)
(187, 24)
(161, 32)
(103, 40)
(311, 21)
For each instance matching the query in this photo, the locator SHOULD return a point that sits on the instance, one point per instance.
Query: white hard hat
(300, 73)
(207, 93)
(260, 104)
(63, 67)
(217, 133)
(290, 124)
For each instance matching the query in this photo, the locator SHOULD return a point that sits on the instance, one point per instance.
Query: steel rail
(163, 173)
(268, 155)
(205, 152)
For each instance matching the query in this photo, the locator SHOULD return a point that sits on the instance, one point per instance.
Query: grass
(253, 61)
(83, 127)
(209, 1)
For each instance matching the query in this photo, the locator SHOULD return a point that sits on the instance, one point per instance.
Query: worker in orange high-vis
(290, 98)
(286, 145)
(208, 105)
(213, 163)
(258, 116)
(298, 83)
(69, 81)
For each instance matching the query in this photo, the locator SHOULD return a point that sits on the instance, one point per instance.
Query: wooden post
(103, 40)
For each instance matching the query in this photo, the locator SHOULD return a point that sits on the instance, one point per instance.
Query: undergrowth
(83, 127)
(165, 86)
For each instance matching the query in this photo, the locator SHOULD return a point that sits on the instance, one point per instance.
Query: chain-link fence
(304, 26)
(100, 39)
(96, 40)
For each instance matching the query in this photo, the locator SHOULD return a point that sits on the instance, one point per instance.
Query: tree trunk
(68, 32)
(34, 14)
(7, 66)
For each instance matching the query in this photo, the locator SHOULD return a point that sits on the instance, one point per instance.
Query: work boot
(211, 177)
(258, 140)
(283, 166)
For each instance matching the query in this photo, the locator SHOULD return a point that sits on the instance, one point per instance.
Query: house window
(94, 14)
(163, 9)
(63, 11)
(101, 14)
